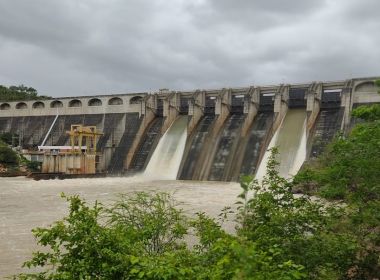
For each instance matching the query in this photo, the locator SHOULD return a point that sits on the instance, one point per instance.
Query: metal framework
(87, 135)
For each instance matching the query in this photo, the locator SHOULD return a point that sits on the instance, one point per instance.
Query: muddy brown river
(26, 204)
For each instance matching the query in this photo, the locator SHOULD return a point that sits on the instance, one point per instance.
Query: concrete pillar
(251, 107)
(222, 109)
(223, 103)
(313, 103)
(347, 103)
(171, 109)
(196, 109)
(149, 105)
(280, 105)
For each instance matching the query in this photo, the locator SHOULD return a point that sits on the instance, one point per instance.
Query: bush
(142, 237)
(33, 166)
(8, 156)
(6, 138)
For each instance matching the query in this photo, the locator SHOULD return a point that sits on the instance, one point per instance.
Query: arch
(367, 86)
(135, 100)
(38, 105)
(95, 102)
(56, 104)
(21, 105)
(75, 103)
(5, 106)
(115, 101)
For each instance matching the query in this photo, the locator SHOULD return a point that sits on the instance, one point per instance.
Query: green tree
(15, 93)
(8, 156)
(349, 172)
(273, 217)
(367, 113)
(7, 137)
(126, 241)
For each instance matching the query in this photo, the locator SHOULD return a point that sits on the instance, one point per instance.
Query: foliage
(8, 156)
(350, 171)
(21, 92)
(368, 113)
(33, 166)
(152, 221)
(350, 167)
(6, 138)
(377, 82)
(126, 241)
(273, 217)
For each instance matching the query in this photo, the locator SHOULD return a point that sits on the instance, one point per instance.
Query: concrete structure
(113, 115)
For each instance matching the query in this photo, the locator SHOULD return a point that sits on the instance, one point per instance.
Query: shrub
(8, 156)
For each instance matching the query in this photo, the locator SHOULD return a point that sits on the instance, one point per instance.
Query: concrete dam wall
(224, 133)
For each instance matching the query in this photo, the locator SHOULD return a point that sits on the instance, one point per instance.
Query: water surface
(26, 204)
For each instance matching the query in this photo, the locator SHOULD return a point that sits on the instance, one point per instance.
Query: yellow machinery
(78, 158)
(80, 134)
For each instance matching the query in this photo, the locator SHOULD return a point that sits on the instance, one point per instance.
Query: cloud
(102, 46)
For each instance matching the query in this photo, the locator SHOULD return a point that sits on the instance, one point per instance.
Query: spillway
(147, 144)
(253, 144)
(291, 140)
(196, 143)
(327, 125)
(166, 159)
(132, 124)
(226, 148)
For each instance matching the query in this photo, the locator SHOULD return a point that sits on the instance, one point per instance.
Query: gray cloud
(103, 46)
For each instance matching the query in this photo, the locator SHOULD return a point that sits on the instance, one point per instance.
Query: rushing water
(261, 170)
(26, 204)
(166, 159)
(291, 140)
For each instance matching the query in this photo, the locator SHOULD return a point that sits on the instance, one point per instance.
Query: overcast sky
(83, 47)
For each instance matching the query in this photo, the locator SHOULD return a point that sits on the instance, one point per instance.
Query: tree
(7, 137)
(15, 93)
(142, 237)
(273, 217)
(8, 156)
(349, 172)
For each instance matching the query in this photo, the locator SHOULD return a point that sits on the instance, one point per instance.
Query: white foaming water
(301, 153)
(264, 162)
(166, 159)
(290, 138)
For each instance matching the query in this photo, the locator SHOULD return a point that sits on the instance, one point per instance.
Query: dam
(208, 135)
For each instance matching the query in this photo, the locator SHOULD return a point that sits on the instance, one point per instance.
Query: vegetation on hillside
(11, 162)
(21, 92)
(8, 157)
(378, 83)
(349, 172)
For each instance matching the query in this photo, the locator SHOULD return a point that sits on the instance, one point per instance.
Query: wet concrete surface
(26, 204)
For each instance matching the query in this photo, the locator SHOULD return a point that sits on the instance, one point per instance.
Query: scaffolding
(80, 135)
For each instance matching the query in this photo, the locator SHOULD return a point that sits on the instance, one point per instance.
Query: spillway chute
(166, 159)
(290, 139)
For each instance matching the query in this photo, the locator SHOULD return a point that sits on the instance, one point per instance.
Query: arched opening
(94, 102)
(115, 101)
(368, 86)
(38, 105)
(5, 106)
(135, 100)
(75, 103)
(21, 105)
(56, 104)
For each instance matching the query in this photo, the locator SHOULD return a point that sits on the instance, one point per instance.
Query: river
(26, 204)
